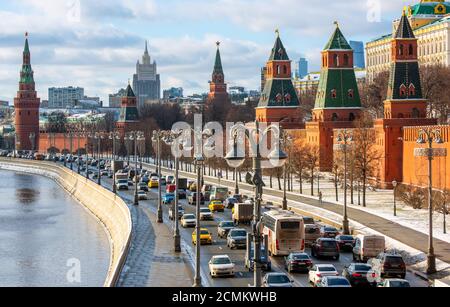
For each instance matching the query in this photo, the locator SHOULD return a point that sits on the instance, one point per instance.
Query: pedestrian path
(151, 261)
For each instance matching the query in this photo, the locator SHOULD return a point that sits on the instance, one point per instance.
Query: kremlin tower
(279, 101)
(26, 106)
(404, 106)
(338, 102)
(129, 115)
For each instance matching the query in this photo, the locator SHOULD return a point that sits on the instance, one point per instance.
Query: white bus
(218, 193)
(286, 232)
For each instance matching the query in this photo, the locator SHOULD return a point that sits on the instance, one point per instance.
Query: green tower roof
(337, 41)
(278, 51)
(218, 69)
(129, 92)
(404, 29)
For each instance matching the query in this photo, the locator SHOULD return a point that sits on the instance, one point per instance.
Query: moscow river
(46, 237)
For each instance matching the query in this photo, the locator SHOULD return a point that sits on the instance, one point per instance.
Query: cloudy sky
(95, 44)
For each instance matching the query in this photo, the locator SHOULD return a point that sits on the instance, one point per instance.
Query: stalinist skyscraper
(146, 81)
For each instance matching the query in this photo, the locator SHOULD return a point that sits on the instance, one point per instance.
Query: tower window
(351, 94)
(279, 98)
(351, 117)
(287, 98)
(335, 117)
(285, 69)
(402, 90)
(411, 49)
(415, 113)
(346, 60)
(336, 60)
(412, 90)
(333, 94)
(401, 50)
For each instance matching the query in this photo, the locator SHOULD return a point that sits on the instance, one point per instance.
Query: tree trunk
(364, 188)
(351, 186)
(312, 182)
(301, 181)
(271, 183)
(336, 186)
(279, 182)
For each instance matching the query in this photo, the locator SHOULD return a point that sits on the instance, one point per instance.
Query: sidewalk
(151, 261)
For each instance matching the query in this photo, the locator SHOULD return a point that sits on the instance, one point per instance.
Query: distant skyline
(95, 44)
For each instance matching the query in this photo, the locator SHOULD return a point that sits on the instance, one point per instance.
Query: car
(224, 228)
(142, 186)
(122, 184)
(237, 238)
(188, 220)
(230, 202)
(172, 213)
(154, 182)
(334, 282)
(388, 265)
(367, 247)
(266, 264)
(298, 262)
(145, 179)
(205, 237)
(318, 271)
(221, 265)
(168, 198)
(216, 206)
(163, 181)
(142, 195)
(238, 197)
(360, 275)
(277, 280)
(192, 199)
(345, 242)
(394, 283)
(325, 247)
(206, 214)
(328, 232)
(182, 194)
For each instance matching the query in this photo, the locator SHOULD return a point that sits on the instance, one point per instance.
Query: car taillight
(356, 275)
(303, 245)
(278, 245)
(319, 275)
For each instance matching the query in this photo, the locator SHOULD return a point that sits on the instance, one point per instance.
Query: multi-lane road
(243, 277)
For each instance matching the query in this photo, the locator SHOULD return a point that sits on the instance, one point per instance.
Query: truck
(116, 166)
(218, 193)
(182, 184)
(121, 181)
(242, 213)
(367, 247)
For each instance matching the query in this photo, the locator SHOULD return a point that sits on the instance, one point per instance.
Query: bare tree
(366, 155)
(312, 159)
(374, 93)
(299, 163)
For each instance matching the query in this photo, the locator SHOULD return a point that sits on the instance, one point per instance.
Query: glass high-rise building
(358, 51)
(302, 68)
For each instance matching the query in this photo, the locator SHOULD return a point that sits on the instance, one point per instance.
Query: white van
(367, 247)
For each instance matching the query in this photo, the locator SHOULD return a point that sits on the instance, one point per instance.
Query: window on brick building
(411, 49)
(415, 113)
(346, 60)
(335, 117)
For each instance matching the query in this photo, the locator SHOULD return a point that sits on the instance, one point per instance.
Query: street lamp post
(345, 137)
(171, 140)
(394, 184)
(430, 136)
(136, 136)
(114, 136)
(98, 136)
(71, 149)
(236, 182)
(235, 159)
(157, 137)
(199, 160)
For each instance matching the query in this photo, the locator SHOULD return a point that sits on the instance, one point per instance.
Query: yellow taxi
(153, 183)
(216, 206)
(193, 187)
(205, 237)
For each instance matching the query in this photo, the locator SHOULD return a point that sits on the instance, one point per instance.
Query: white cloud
(100, 51)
